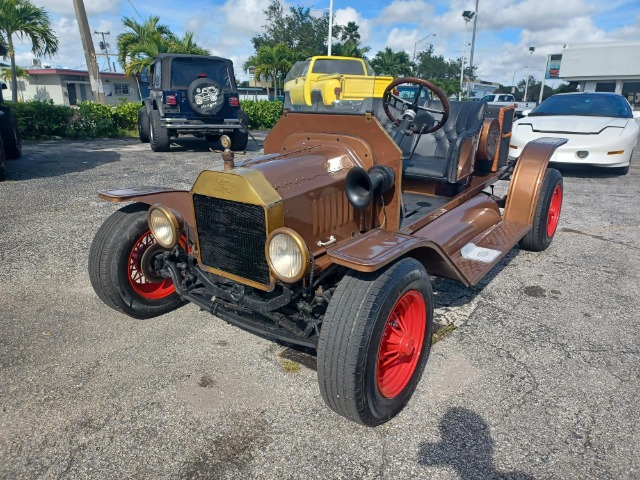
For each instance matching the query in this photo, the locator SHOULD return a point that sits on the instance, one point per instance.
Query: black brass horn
(360, 186)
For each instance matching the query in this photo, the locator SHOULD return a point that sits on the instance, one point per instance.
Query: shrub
(41, 119)
(263, 115)
(92, 120)
(126, 115)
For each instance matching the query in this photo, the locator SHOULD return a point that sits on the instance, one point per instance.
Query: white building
(604, 67)
(69, 87)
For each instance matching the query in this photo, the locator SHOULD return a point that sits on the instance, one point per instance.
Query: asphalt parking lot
(540, 381)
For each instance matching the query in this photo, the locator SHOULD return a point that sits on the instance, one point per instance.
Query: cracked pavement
(540, 380)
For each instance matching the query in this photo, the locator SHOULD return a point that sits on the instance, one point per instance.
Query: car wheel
(239, 140)
(144, 128)
(121, 266)
(10, 136)
(547, 213)
(3, 172)
(159, 135)
(375, 341)
(211, 138)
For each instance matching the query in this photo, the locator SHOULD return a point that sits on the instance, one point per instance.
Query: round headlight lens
(286, 257)
(164, 226)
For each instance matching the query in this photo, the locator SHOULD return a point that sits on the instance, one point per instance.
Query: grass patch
(442, 332)
(290, 366)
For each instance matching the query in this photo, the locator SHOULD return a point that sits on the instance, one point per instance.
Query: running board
(491, 245)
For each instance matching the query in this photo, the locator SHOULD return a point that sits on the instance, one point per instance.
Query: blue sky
(505, 29)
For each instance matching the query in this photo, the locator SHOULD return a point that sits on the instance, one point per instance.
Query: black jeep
(191, 94)
(10, 144)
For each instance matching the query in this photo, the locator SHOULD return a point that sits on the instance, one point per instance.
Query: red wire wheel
(401, 344)
(554, 211)
(143, 286)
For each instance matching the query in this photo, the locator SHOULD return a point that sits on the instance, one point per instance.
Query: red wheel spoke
(401, 344)
(141, 284)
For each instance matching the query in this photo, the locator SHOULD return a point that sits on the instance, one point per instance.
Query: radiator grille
(232, 237)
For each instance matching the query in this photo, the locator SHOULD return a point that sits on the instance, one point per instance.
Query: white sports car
(600, 128)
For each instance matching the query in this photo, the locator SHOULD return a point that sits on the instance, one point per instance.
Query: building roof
(64, 71)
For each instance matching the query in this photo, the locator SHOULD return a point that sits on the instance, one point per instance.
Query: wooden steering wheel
(388, 96)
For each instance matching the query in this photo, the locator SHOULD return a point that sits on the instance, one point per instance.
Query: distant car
(600, 128)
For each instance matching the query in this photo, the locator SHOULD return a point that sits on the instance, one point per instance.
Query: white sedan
(600, 129)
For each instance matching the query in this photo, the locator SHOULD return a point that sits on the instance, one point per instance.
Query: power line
(135, 9)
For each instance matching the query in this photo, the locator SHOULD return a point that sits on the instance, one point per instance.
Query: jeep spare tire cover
(205, 96)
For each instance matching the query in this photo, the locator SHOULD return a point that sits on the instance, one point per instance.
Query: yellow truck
(334, 79)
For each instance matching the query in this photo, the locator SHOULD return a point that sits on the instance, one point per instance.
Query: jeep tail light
(171, 100)
(337, 91)
(233, 101)
(202, 75)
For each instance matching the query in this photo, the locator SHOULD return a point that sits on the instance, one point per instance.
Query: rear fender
(527, 177)
(178, 200)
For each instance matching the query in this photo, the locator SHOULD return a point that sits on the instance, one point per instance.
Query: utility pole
(526, 84)
(89, 52)
(330, 28)
(104, 46)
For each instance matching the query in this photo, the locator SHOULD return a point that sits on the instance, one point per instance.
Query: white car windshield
(587, 104)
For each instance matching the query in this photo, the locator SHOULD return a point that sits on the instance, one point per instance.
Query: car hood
(572, 123)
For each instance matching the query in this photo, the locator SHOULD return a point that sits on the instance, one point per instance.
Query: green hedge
(45, 120)
(263, 115)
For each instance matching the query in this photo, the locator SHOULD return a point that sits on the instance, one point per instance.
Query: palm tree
(23, 19)
(139, 46)
(350, 32)
(395, 64)
(7, 75)
(271, 63)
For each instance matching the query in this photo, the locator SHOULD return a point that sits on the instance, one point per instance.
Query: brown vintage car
(328, 239)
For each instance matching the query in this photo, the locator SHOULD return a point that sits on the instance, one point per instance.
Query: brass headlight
(287, 254)
(165, 224)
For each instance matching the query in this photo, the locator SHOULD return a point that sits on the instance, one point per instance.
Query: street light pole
(467, 15)
(526, 82)
(330, 40)
(415, 45)
(473, 44)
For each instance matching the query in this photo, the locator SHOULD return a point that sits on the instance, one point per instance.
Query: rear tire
(211, 138)
(144, 127)
(10, 135)
(360, 374)
(159, 135)
(547, 213)
(116, 270)
(239, 140)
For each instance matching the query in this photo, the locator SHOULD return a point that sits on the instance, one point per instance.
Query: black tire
(10, 135)
(541, 234)
(205, 97)
(239, 140)
(144, 127)
(159, 135)
(351, 336)
(114, 266)
(3, 172)
(211, 138)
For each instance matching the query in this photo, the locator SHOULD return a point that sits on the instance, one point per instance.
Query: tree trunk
(14, 79)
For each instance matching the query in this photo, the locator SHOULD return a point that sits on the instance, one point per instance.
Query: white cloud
(343, 16)
(93, 7)
(406, 11)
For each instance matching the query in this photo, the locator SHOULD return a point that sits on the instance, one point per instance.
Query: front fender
(178, 200)
(527, 177)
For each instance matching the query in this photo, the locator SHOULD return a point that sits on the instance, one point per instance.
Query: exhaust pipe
(361, 186)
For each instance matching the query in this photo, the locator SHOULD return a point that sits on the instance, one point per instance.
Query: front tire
(159, 135)
(375, 341)
(144, 127)
(122, 250)
(239, 140)
(547, 213)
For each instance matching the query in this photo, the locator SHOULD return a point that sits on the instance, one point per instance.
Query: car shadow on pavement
(195, 144)
(466, 446)
(37, 163)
